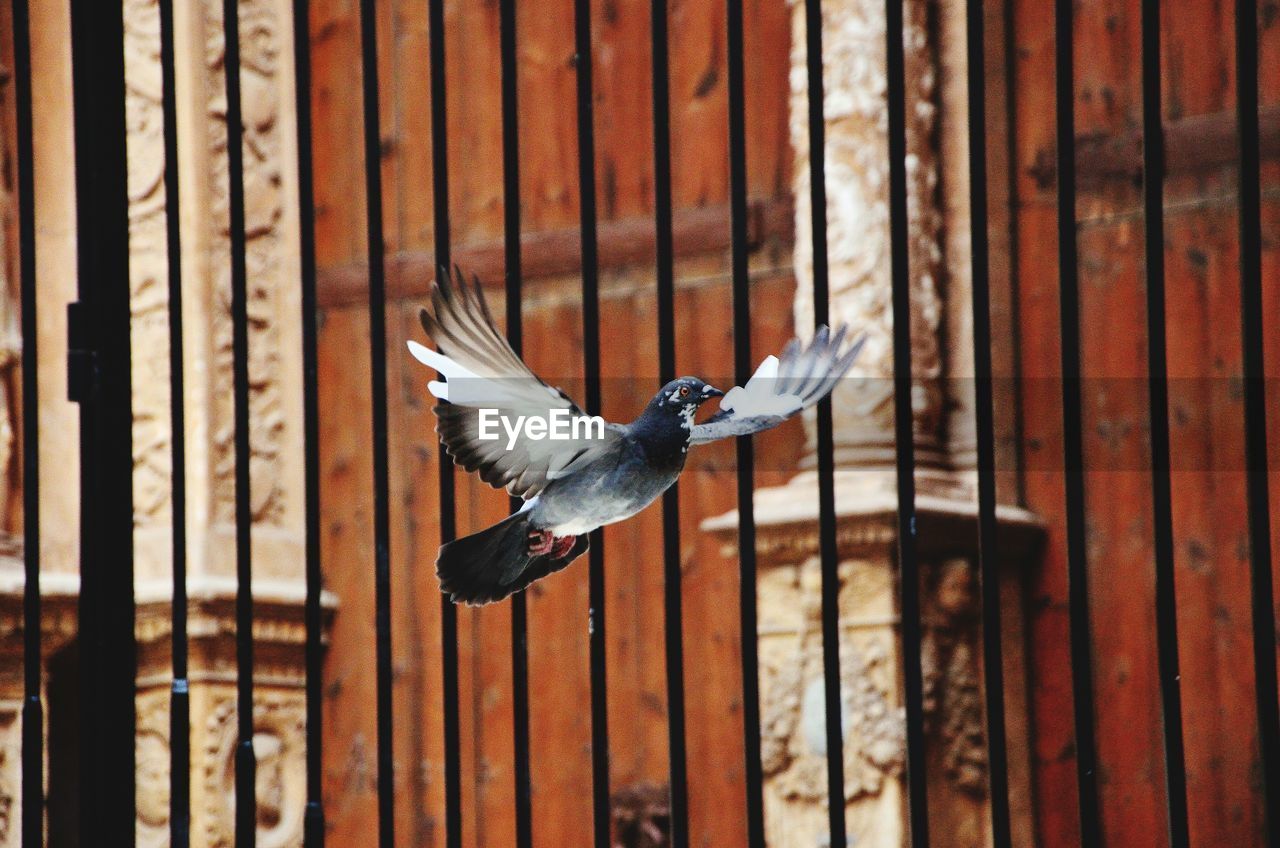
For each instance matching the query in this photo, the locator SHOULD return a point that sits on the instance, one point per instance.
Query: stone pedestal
(871, 660)
(279, 714)
(58, 621)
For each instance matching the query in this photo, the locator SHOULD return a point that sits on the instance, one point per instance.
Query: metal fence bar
(904, 436)
(664, 269)
(99, 378)
(1009, 47)
(827, 542)
(246, 764)
(984, 406)
(448, 512)
(745, 450)
(591, 358)
(313, 821)
(378, 393)
(1072, 430)
(1158, 393)
(32, 707)
(179, 697)
(515, 336)
(1252, 336)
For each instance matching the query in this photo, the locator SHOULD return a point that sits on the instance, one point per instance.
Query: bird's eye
(684, 391)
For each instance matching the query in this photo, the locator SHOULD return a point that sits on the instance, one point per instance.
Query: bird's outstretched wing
(782, 387)
(481, 371)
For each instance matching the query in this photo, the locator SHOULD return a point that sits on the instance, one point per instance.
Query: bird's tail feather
(495, 563)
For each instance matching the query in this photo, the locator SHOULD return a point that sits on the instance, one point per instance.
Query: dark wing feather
(482, 371)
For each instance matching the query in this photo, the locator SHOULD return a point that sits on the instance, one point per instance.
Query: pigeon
(576, 472)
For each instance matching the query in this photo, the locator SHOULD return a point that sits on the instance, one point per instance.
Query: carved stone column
(276, 410)
(275, 371)
(791, 676)
(58, 419)
(857, 169)
(789, 589)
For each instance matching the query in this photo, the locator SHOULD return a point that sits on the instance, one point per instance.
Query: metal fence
(99, 380)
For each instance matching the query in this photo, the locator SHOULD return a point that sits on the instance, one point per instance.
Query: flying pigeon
(577, 472)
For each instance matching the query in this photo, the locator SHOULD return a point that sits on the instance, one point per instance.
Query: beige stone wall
(56, 275)
(275, 342)
(270, 168)
(275, 408)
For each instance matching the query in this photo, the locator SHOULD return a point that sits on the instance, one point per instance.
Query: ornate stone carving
(261, 94)
(953, 694)
(10, 357)
(279, 743)
(857, 180)
(10, 774)
(793, 711)
(10, 335)
(148, 263)
(794, 716)
(152, 747)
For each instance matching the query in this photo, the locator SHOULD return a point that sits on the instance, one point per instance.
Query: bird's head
(684, 396)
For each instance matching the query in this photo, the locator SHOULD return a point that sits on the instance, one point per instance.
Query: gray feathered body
(636, 470)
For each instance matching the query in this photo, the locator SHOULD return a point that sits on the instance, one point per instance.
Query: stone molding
(789, 639)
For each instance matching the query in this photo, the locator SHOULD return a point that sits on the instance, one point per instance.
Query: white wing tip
(421, 352)
(767, 370)
(438, 361)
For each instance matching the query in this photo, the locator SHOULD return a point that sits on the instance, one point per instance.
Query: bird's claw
(545, 542)
(540, 542)
(561, 546)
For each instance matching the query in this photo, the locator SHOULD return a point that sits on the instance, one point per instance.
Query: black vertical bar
(515, 335)
(1264, 622)
(828, 550)
(904, 426)
(1010, 67)
(246, 763)
(100, 380)
(32, 707)
(591, 368)
(984, 403)
(1072, 429)
(745, 452)
(448, 515)
(378, 380)
(1158, 393)
(179, 698)
(673, 602)
(313, 822)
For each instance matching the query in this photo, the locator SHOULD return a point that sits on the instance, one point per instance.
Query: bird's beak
(708, 392)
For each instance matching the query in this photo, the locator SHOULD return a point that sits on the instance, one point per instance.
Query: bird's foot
(561, 546)
(540, 542)
(545, 542)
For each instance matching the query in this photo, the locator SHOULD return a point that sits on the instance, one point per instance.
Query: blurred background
(1207, 416)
